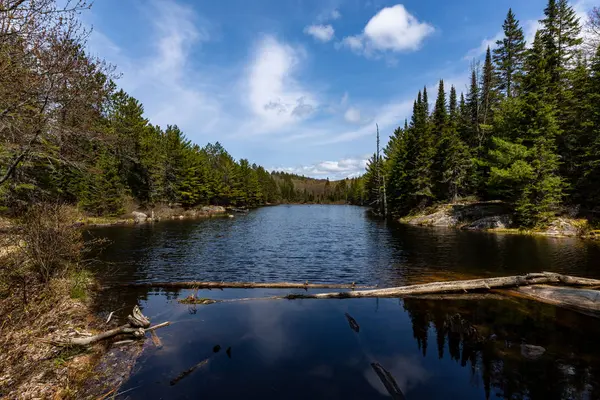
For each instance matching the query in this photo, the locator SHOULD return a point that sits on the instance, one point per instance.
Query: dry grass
(43, 293)
(31, 368)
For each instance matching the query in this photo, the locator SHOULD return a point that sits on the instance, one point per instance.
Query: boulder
(532, 352)
(139, 217)
(562, 227)
(213, 209)
(493, 222)
(438, 218)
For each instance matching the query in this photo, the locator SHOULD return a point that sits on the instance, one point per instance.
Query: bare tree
(49, 88)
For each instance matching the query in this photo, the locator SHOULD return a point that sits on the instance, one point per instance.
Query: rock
(493, 222)
(213, 209)
(562, 227)
(139, 217)
(438, 218)
(532, 352)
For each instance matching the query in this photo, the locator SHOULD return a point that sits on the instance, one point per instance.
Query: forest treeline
(527, 130)
(294, 188)
(68, 134)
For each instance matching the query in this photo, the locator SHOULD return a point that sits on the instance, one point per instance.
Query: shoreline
(497, 218)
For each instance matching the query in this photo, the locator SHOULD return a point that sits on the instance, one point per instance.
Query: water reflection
(302, 349)
(347, 349)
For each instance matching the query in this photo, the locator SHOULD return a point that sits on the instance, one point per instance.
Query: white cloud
(389, 117)
(274, 97)
(482, 48)
(323, 33)
(163, 79)
(344, 100)
(392, 29)
(352, 115)
(340, 169)
(329, 16)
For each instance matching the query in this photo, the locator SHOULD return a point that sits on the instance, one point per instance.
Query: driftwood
(458, 286)
(582, 300)
(137, 327)
(244, 285)
(477, 289)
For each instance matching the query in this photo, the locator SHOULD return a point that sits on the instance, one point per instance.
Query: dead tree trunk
(460, 286)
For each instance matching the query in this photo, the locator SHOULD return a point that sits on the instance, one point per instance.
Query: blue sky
(296, 85)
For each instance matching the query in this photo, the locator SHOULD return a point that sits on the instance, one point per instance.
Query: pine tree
(473, 107)
(589, 190)
(439, 128)
(488, 91)
(561, 38)
(509, 56)
(527, 164)
(455, 156)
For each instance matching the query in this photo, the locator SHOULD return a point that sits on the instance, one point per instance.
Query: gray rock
(438, 218)
(562, 227)
(139, 216)
(213, 209)
(532, 352)
(493, 222)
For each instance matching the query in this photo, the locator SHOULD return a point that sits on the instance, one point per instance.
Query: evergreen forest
(526, 130)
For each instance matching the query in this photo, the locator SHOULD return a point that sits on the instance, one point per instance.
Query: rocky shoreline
(494, 216)
(151, 216)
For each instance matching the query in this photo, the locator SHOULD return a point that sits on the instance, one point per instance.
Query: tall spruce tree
(561, 38)
(455, 157)
(527, 164)
(488, 90)
(509, 56)
(589, 189)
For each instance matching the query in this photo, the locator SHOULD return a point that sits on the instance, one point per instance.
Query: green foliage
(509, 56)
(527, 131)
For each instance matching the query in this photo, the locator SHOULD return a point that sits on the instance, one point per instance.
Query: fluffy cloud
(352, 115)
(344, 168)
(163, 78)
(482, 48)
(392, 29)
(275, 98)
(322, 33)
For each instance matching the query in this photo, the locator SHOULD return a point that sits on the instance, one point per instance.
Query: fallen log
(244, 285)
(458, 286)
(138, 325)
(581, 300)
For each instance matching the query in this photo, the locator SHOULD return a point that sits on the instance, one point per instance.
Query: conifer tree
(509, 55)
(473, 107)
(488, 92)
(561, 38)
(528, 163)
(455, 157)
(589, 189)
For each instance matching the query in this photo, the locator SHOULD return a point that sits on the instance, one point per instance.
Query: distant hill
(301, 189)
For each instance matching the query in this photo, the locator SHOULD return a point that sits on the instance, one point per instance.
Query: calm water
(330, 349)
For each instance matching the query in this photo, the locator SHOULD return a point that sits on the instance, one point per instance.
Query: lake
(330, 349)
